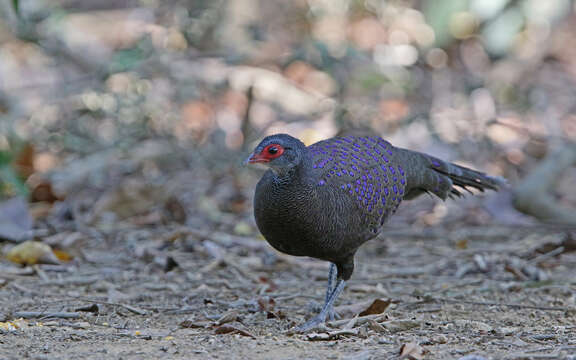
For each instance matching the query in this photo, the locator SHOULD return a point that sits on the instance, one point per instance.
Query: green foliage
(11, 183)
(128, 59)
(16, 7)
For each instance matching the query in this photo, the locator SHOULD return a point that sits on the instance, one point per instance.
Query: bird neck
(294, 175)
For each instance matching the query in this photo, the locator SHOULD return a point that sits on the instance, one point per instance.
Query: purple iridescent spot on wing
(386, 191)
(321, 182)
(401, 170)
(392, 170)
(395, 188)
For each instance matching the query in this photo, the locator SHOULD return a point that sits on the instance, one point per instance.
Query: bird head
(279, 152)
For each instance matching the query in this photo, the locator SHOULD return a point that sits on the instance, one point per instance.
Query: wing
(366, 170)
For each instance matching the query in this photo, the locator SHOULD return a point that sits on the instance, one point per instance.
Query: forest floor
(183, 293)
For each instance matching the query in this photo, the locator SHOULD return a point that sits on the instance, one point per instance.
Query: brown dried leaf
(378, 306)
(568, 243)
(266, 303)
(191, 324)
(411, 351)
(24, 161)
(43, 192)
(233, 329)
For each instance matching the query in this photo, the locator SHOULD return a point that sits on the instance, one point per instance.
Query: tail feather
(427, 174)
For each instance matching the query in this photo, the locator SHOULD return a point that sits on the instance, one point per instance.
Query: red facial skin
(267, 154)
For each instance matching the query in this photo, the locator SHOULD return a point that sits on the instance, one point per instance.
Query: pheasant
(326, 200)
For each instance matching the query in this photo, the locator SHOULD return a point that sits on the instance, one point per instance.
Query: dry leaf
(24, 161)
(227, 317)
(191, 324)
(266, 303)
(43, 192)
(567, 244)
(62, 255)
(32, 252)
(411, 351)
(233, 329)
(376, 326)
(378, 306)
(461, 244)
(336, 334)
(400, 325)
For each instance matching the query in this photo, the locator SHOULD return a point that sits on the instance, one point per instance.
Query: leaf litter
(198, 280)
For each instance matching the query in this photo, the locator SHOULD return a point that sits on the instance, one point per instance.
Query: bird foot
(317, 321)
(333, 315)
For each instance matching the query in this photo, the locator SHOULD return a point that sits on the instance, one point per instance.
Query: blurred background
(119, 114)
(123, 201)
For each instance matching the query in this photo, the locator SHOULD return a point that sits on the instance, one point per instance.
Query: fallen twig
(489, 303)
(359, 320)
(46, 315)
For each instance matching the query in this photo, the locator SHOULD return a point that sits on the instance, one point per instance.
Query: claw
(327, 310)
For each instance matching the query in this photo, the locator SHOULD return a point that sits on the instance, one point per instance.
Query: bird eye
(273, 150)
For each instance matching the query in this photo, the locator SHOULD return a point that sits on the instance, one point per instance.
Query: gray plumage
(327, 199)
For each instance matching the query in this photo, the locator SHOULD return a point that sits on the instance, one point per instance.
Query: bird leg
(326, 309)
(332, 274)
(331, 280)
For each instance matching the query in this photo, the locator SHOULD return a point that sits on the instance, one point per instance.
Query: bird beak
(254, 159)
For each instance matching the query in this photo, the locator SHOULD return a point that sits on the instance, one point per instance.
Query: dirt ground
(493, 292)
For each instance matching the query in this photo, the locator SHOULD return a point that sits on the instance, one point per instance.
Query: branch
(533, 196)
